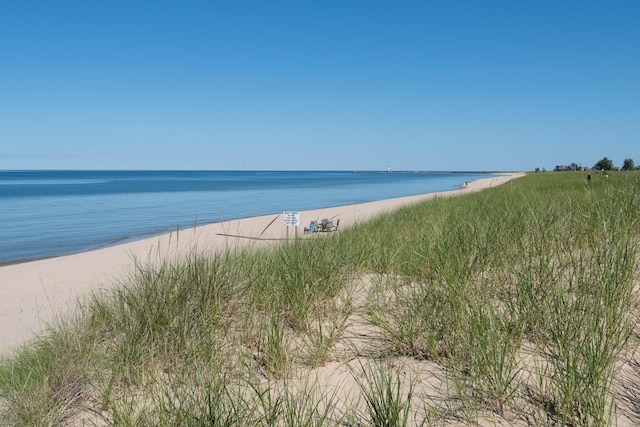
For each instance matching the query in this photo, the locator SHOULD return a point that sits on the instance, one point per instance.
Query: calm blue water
(50, 213)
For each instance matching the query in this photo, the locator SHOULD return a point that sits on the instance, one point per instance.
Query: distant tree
(628, 164)
(604, 164)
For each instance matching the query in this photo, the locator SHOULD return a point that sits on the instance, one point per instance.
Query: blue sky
(329, 85)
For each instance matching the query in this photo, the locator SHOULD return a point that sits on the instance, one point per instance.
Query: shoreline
(72, 242)
(35, 293)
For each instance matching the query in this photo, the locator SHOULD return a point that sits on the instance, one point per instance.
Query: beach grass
(525, 296)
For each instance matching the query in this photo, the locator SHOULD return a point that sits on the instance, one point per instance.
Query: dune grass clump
(524, 295)
(383, 388)
(314, 275)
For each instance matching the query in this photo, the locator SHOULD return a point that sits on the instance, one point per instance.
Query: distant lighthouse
(388, 169)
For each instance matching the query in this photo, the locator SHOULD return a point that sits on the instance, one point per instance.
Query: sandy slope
(33, 293)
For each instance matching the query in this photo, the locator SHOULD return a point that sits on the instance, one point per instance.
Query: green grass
(524, 294)
(388, 404)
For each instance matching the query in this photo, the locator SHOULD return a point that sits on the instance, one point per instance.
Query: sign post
(291, 219)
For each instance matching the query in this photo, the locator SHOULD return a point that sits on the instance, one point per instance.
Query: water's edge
(56, 213)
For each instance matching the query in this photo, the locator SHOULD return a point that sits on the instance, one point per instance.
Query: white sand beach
(33, 293)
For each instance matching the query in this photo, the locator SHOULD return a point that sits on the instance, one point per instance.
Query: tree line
(604, 164)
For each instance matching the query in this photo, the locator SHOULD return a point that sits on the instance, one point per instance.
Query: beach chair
(325, 225)
(328, 225)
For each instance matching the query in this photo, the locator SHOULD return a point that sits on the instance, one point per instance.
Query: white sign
(291, 219)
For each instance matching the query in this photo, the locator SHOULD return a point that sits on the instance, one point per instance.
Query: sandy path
(33, 293)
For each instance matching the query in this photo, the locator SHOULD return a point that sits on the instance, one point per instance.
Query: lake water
(51, 213)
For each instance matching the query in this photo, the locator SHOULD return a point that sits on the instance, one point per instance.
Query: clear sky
(326, 85)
